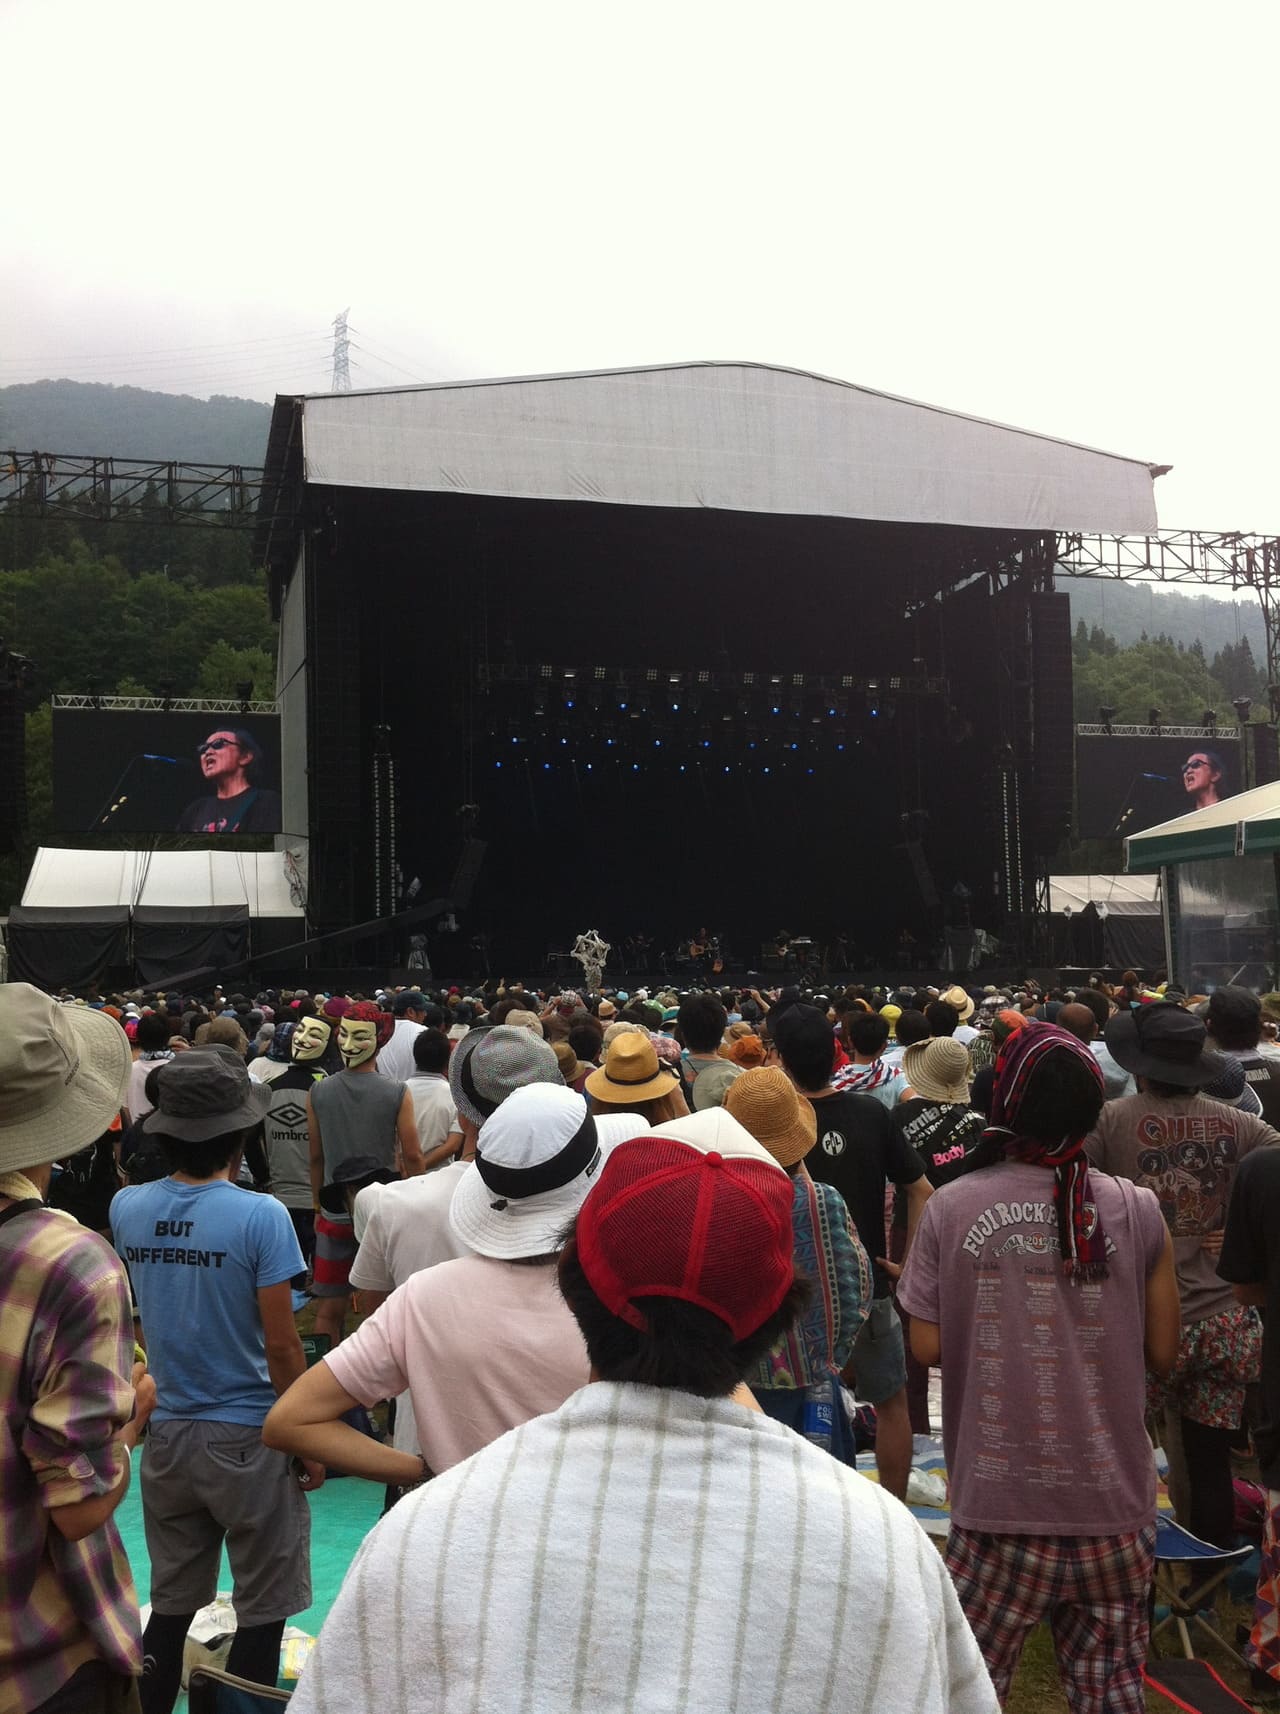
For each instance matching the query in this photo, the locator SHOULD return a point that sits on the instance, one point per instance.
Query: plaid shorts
(1264, 1639)
(1092, 1589)
(1217, 1359)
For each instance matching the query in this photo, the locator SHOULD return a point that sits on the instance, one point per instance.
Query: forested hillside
(88, 417)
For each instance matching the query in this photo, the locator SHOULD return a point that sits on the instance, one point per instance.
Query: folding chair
(210, 1690)
(1210, 1566)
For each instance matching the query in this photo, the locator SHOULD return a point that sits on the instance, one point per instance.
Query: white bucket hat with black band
(64, 1071)
(537, 1158)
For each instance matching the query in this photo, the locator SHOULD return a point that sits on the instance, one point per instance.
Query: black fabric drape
(66, 945)
(172, 938)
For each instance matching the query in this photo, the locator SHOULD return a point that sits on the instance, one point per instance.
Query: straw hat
(938, 1069)
(630, 1071)
(962, 1002)
(764, 1101)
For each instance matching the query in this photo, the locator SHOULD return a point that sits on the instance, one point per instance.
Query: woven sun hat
(630, 1071)
(537, 1158)
(938, 1069)
(518, 1019)
(490, 1061)
(962, 1002)
(64, 1071)
(765, 1103)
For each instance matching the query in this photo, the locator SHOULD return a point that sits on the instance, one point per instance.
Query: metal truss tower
(341, 353)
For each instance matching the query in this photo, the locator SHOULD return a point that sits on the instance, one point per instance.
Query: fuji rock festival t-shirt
(1043, 1381)
(198, 1254)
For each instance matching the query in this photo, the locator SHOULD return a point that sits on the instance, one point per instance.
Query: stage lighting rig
(1242, 705)
(1106, 714)
(1154, 717)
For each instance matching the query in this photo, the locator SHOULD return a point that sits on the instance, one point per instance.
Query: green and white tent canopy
(1247, 825)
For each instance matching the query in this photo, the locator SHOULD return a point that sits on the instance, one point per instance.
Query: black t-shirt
(858, 1151)
(1251, 1256)
(249, 811)
(945, 1135)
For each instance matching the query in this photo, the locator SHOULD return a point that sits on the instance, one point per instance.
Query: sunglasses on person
(217, 744)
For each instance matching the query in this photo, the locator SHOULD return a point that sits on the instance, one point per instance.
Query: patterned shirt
(66, 1348)
(830, 1254)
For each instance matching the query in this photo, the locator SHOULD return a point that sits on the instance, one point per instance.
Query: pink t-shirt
(1043, 1381)
(481, 1345)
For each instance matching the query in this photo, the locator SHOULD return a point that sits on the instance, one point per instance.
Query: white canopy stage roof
(1075, 892)
(743, 437)
(190, 879)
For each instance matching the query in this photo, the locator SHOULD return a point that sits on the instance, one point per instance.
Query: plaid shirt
(66, 1348)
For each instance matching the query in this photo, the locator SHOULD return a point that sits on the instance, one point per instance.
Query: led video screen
(1124, 785)
(144, 771)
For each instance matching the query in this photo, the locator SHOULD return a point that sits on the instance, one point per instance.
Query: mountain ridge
(100, 419)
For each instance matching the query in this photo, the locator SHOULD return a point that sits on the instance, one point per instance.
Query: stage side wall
(291, 691)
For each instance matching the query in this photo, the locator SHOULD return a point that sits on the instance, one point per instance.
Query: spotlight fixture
(1106, 714)
(245, 694)
(166, 695)
(1242, 705)
(1154, 717)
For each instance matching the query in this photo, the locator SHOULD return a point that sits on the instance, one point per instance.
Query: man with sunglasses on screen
(228, 760)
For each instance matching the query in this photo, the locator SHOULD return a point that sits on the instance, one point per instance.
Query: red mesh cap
(667, 1220)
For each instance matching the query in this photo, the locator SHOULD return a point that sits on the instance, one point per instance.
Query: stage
(717, 645)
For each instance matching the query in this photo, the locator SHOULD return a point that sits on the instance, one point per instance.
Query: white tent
(195, 880)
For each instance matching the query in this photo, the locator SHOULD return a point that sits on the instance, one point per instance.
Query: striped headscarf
(1080, 1235)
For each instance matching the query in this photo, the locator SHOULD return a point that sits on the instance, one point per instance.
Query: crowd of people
(608, 1291)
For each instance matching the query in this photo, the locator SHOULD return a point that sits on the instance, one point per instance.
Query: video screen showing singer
(1202, 778)
(236, 803)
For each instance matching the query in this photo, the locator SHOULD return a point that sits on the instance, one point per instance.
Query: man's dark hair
(153, 1032)
(807, 1043)
(431, 1050)
(686, 1349)
(585, 1038)
(1167, 1091)
(1234, 1017)
(942, 1018)
(1063, 1097)
(702, 1022)
(866, 1032)
(913, 1026)
(1097, 1003)
(202, 1159)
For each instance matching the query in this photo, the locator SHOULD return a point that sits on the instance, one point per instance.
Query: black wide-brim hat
(1160, 1040)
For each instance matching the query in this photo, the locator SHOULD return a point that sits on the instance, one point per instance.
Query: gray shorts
(206, 1482)
(879, 1356)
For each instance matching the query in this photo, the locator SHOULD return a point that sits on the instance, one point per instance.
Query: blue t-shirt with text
(198, 1254)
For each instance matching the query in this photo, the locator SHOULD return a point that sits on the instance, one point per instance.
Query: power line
(217, 345)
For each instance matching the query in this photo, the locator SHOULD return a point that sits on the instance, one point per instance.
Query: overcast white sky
(1061, 217)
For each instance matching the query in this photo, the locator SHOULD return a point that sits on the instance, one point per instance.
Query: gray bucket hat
(205, 1093)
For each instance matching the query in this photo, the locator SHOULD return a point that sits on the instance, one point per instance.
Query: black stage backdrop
(54, 946)
(685, 819)
(168, 939)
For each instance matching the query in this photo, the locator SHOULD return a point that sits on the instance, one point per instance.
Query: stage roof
(1111, 892)
(190, 879)
(741, 437)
